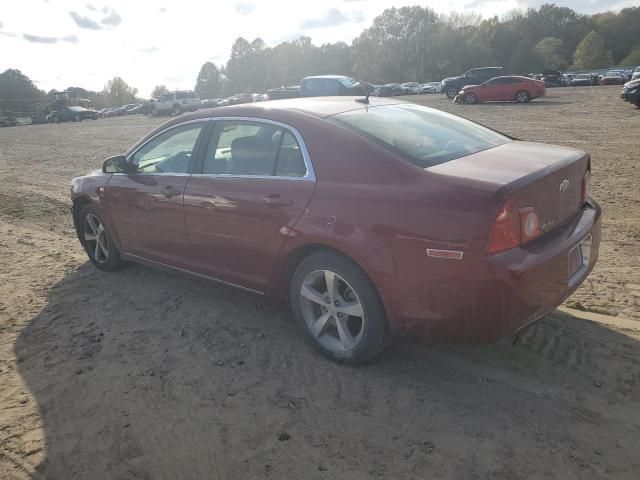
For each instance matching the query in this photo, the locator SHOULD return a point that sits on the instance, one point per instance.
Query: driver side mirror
(117, 164)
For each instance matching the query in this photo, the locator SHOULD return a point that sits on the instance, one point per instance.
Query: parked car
(507, 88)
(8, 119)
(582, 80)
(136, 109)
(373, 222)
(431, 87)
(553, 78)
(322, 86)
(452, 85)
(73, 114)
(636, 73)
(395, 89)
(411, 88)
(631, 92)
(613, 77)
(176, 103)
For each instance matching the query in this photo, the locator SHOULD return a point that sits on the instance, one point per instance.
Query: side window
(169, 152)
(290, 160)
(244, 148)
(180, 96)
(471, 74)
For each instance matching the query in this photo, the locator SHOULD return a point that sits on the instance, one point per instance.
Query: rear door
(254, 182)
(146, 206)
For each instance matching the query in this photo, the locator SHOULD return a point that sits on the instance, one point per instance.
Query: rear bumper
(495, 296)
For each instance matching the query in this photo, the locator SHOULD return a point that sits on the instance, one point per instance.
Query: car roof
(317, 106)
(333, 77)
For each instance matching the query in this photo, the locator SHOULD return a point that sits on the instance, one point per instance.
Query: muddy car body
(441, 227)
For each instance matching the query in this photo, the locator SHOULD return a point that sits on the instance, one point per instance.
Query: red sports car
(373, 218)
(508, 88)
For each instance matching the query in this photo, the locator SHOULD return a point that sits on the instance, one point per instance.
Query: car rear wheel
(177, 110)
(97, 241)
(470, 98)
(338, 307)
(522, 96)
(451, 92)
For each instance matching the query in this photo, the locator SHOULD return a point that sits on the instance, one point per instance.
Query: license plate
(579, 256)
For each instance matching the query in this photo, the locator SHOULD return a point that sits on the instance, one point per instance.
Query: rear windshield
(423, 136)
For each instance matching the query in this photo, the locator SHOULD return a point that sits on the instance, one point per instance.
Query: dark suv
(452, 85)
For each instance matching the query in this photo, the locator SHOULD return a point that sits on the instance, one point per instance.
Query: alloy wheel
(332, 311)
(522, 97)
(95, 238)
(470, 98)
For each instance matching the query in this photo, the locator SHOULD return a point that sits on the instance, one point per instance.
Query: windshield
(423, 136)
(584, 76)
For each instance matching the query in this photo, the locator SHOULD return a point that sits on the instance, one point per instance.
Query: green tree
(633, 59)
(592, 53)
(551, 53)
(118, 93)
(159, 90)
(209, 81)
(17, 91)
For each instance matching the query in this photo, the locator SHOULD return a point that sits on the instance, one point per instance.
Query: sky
(62, 43)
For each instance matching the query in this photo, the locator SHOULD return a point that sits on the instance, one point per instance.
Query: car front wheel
(338, 308)
(177, 110)
(522, 96)
(97, 241)
(470, 98)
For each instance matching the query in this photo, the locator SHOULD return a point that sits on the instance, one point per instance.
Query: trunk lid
(546, 177)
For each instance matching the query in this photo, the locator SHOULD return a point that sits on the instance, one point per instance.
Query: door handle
(169, 191)
(276, 200)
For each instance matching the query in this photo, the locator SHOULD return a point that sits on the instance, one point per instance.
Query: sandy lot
(147, 375)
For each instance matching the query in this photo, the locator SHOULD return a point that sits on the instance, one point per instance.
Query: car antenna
(364, 100)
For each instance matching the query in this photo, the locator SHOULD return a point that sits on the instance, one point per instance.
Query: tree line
(417, 44)
(402, 44)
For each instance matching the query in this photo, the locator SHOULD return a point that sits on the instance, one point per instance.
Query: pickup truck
(321, 86)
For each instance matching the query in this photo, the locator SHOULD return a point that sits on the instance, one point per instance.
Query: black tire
(177, 110)
(451, 92)
(112, 261)
(522, 96)
(470, 98)
(374, 335)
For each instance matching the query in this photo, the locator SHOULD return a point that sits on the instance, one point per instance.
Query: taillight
(505, 232)
(513, 227)
(586, 186)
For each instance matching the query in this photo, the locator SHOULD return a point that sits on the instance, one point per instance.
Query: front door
(146, 206)
(253, 184)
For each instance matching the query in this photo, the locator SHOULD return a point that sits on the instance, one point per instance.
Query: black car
(582, 80)
(553, 78)
(631, 92)
(452, 85)
(74, 114)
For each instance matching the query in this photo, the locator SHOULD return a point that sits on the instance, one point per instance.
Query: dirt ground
(148, 375)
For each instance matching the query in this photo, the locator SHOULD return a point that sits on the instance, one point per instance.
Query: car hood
(450, 78)
(632, 84)
(467, 87)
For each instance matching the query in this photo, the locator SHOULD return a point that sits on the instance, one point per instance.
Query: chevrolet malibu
(372, 218)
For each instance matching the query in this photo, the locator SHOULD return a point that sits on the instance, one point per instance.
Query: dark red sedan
(507, 88)
(373, 220)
